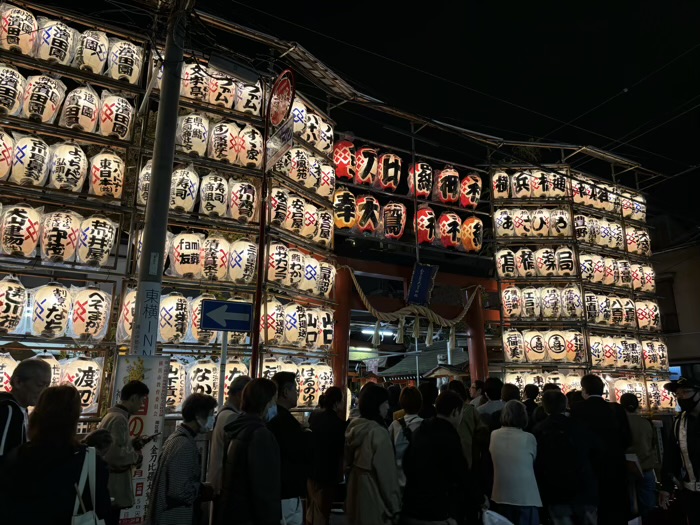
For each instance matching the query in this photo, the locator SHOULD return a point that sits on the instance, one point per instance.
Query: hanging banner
(153, 371)
(422, 282)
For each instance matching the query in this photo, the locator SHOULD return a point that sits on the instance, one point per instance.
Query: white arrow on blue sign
(226, 316)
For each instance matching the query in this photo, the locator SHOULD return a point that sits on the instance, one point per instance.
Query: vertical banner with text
(153, 371)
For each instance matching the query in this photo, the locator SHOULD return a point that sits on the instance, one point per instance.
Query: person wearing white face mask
(177, 489)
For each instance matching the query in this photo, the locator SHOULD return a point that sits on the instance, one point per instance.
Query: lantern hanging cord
(413, 310)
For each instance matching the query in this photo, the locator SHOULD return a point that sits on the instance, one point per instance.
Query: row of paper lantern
(545, 262)
(28, 160)
(601, 232)
(541, 222)
(84, 373)
(611, 310)
(292, 324)
(365, 215)
(534, 346)
(308, 170)
(63, 236)
(300, 216)
(311, 127)
(538, 184)
(56, 42)
(366, 166)
(546, 302)
(627, 352)
(54, 310)
(617, 272)
(292, 268)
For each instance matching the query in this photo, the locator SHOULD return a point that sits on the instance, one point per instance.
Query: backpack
(407, 432)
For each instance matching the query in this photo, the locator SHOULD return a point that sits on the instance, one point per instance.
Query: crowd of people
(406, 456)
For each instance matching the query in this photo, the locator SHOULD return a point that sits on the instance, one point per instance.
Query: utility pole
(145, 332)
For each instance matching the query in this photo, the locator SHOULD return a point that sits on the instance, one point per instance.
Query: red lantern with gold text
(367, 214)
(344, 208)
(425, 225)
(345, 160)
(366, 166)
(470, 191)
(389, 172)
(450, 226)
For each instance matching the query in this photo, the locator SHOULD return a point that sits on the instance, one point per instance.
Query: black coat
(328, 441)
(250, 491)
(295, 453)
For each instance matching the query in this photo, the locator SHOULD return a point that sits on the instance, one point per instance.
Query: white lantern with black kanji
(512, 301)
(566, 265)
(522, 222)
(597, 348)
(604, 314)
(225, 142)
(68, 168)
(242, 261)
(13, 88)
(586, 266)
(367, 166)
(662, 350)
(447, 186)
(625, 271)
(571, 302)
(585, 228)
(649, 278)
(546, 262)
(631, 355)
(13, 301)
(326, 279)
(323, 236)
(550, 298)
(195, 81)
(107, 175)
(388, 172)
(235, 367)
(221, 89)
(602, 232)
(525, 263)
(91, 51)
(650, 354)
(299, 170)
(616, 241)
(582, 191)
(272, 322)
(90, 315)
(368, 213)
(96, 239)
(394, 220)
(18, 30)
(185, 257)
(213, 195)
(531, 308)
(124, 61)
(500, 185)
(298, 113)
(277, 262)
(203, 378)
(214, 258)
(638, 279)
(85, 374)
(325, 377)
(278, 204)
(629, 312)
(184, 187)
(513, 346)
(48, 358)
(43, 97)
(575, 348)
(59, 236)
(555, 341)
(611, 345)
(127, 315)
(326, 328)
(56, 43)
(192, 134)
(521, 185)
(116, 116)
(420, 180)
(313, 329)
(244, 200)
(308, 385)
(535, 346)
(295, 270)
(312, 128)
(503, 219)
(144, 184)
(560, 223)
(308, 230)
(539, 184)
(309, 279)
(294, 221)
(612, 272)
(540, 222)
(175, 390)
(654, 316)
(51, 307)
(505, 264)
(20, 230)
(631, 386)
(248, 98)
(270, 366)
(590, 301)
(173, 318)
(81, 110)
(294, 324)
(250, 154)
(660, 398)
(326, 185)
(7, 152)
(31, 162)
(197, 333)
(643, 242)
(313, 179)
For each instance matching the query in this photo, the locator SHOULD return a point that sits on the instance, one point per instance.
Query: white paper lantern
(203, 378)
(68, 168)
(571, 302)
(51, 308)
(7, 151)
(309, 280)
(242, 262)
(298, 114)
(91, 51)
(643, 242)
(560, 223)
(308, 230)
(540, 222)
(535, 346)
(192, 135)
(116, 117)
(107, 175)
(518, 379)
(174, 318)
(555, 342)
(503, 219)
(90, 316)
(183, 190)
(52, 362)
(638, 279)
(531, 308)
(214, 258)
(505, 264)
(43, 97)
(59, 236)
(625, 271)
(546, 261)
(294, 221)
(559, 185)
(513, 346)
(631, 355)
(13, 89)
(312, 129)
(323, 236)
(539, 184)
(326, 279)
(611, 345)
(299, 170)
(235, 367)
(175, 390)
(13, 301)
(586, 266)
(326, 328)
(629, 313)
(649, 283)
(511, 298)
(251, 153)
(199, 334)
(294, 324)
(654, 316)
(586, 228)
(278, 204)
(551, 302)
(277, 262)
(582, 191)
(325, 377)
(590, 301)
(127, 313)
(243, 203)
(616, 311)
(55, 43)
(272, 322)
(662, 350)
(248, 98)
(500, 185)
(295, 270)
(596, 346)
(660, 398)
(86, 376)
(97, 237)
(18, 30)
(313, 328)
(213, 196)
(185, 259)
(631, 386)
(31, 162)
(325, 141)
(222, 89)
(616, 241)
(308, 385)
(225, 142)
(525, 263)
(650, 354)
(124, 61)
(639, 208)
(20, 230)
(604, 314)
(195, 81)
(598, 269)
(575, 347)
(571, 383)
(612, 272)
(566, 265)
(522, 223)
(313, 179)
(521, 185)
(326, 186)
(643, 315)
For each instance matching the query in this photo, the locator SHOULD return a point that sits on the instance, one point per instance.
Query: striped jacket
(13, 425)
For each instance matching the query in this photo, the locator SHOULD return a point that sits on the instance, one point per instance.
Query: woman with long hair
(373, 494)
(39, 478)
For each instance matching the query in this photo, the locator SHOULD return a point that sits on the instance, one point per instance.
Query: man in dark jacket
(608, 422)
(295, 448)
(564, 452)
(530, 399)
(250, 492)
(431, 498)
(30, 378)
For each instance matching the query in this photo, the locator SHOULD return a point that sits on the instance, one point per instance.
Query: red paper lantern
(470, 191)
(420, 179)
(389, 172)
(472, 234)
(367, 214)
(425, 225)
(366, 166)
(450, 226)
(447, 186)
(345, 160)
(394, 220)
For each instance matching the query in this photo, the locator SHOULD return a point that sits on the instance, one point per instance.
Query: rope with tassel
(412, 310)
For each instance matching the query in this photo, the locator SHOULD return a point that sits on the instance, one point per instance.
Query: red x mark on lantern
(32, 231)
(79, 311)
(108, 112)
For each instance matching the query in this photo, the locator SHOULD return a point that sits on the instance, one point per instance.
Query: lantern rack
(540, 280)
(205, 286)
(210, 109)
(285, 292)
(297, 141)
(530, 202)
(64, 198)
(206, 163)
(533, 241)
(213, 349)
(302, 191)
(194, 220)
(280, 234)
(294, 351)
(620, 291)
(610, 252)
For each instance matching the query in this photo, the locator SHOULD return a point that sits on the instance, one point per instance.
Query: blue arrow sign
(226, 316)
